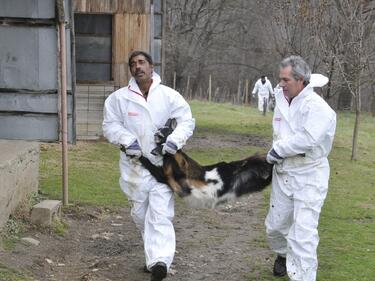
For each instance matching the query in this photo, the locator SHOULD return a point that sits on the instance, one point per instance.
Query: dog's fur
(208, 186)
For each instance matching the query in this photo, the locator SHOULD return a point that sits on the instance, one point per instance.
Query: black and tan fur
(207, 186)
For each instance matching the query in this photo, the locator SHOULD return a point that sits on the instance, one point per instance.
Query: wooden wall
(112, 6)
(131, 30)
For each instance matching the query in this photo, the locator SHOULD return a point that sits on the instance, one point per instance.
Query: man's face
(141, 69)
(291, 87)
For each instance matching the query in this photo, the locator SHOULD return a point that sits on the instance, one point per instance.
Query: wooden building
(29, 70)
(106, 31)
(100, 35)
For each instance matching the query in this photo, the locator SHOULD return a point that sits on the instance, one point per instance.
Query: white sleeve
(255, 88)
(317, 124)
(113, 125)
(180, 110)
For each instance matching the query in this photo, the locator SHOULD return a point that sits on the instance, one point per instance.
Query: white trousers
(152, 212)
(261, 99)
(291, 226)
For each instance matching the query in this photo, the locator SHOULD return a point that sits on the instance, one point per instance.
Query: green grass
(347, 225)
(226, 118)
(93, 173)
(7, 274)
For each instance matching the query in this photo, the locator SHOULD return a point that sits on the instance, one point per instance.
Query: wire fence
(210, 92)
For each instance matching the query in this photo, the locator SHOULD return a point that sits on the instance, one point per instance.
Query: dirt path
(101, 245)
(219, 244)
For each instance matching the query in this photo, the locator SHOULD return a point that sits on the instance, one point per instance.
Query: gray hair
(300, 69)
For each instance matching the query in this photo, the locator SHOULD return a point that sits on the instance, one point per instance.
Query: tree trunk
(345, 96)
(373, 101)
(345, 100)
(187, 91)
(239, 92)
(329, 85)
(209, 89)
(357, 101)
(247, 91)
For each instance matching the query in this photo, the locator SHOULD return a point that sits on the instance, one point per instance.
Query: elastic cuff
(126, 141)
(274, 154)
(178, 147)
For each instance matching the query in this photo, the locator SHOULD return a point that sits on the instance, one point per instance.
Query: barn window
(93, 33)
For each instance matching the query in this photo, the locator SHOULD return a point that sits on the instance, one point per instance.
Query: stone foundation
(19, 172)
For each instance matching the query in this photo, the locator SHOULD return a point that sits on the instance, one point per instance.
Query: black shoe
(279, 268)
(158, 271)
(146, 270)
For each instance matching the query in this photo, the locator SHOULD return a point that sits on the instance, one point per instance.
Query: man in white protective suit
(263, 87)
(303, 131)
(132, 115)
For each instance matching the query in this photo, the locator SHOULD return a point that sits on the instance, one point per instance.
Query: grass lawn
(7, 274)
(347, 225)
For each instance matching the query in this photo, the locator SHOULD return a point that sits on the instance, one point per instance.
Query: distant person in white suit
(263, 88)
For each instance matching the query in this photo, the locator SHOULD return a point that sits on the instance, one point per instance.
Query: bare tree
(213, 37)
(356, 20)
(294, 27)
(335, 37)
(192, 25)
(240, 40)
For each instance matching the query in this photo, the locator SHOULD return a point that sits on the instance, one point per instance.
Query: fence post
(239, 91)
(216, 94)
(187, 91)
(64, 115)
(247, 91)
(209, 89)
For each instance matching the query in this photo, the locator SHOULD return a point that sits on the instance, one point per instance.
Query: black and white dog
(208, 186)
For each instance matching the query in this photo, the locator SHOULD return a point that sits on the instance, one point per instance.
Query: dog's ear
(181, 161)
(184, 164)
(171, 124)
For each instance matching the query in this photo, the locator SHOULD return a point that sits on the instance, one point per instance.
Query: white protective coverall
(300, 183)
(264, 91)
(128, 116)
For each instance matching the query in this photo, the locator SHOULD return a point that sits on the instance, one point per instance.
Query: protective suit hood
(133, 86)
(317, 80)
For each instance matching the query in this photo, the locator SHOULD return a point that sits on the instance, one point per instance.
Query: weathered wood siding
(112, 6)
(29, 78)
(131, 32)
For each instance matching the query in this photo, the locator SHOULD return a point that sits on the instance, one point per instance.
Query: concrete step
(45, 212)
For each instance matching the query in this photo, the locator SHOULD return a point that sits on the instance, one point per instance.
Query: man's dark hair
(263, 76)
(138, 53)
